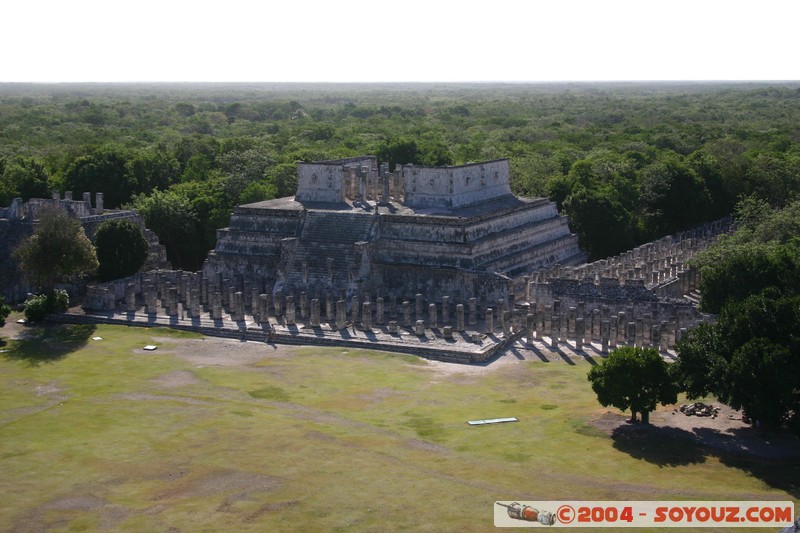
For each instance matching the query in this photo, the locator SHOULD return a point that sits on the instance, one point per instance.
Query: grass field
(213, 435)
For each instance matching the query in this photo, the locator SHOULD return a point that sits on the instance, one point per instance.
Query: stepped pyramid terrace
(444, 263)
(355, 228)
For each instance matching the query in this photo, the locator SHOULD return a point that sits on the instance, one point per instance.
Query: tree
(5, 310)
(747, 359)
(28, 178)
(635, 379)
(103, 169)
(58, 251)
(173, 218)
(121, 249)
(600, 222)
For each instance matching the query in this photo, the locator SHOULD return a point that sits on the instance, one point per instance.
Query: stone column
(130, 297)
(406, 314)
(419, 328)
(238, 306)
(255, 303)
(473, 311)
(489, 321)
(663, 336)
(555, 321)
(172, 301)
(303, 305)
(216, 305)
(655, 336)
(460, 317)
(263, 308)
(314, 314)
(613, 332)
(366, 316)
(445, 310)
(340, 314)
(290, 310)
(579, 332)
(572, 316)
(605, 333)
(506, 323)
(194, 302)
(630, 333)
(379, 311)
(530, 324)
(150, 300)
(501, 324)
(329, 308)
(278, 304)
(418, 307)
(621, 324)
(392, 306)
(98, 202)
(432, 316)
(596, 325)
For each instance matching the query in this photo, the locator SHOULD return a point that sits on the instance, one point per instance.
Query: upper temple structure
(354, 228)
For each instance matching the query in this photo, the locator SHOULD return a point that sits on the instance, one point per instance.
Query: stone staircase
(324, 237)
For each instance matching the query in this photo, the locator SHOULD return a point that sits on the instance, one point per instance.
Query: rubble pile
(699, 409)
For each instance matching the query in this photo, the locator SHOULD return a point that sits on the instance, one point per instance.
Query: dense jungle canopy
(628, 162)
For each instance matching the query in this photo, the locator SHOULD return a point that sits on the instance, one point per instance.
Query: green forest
(627, 162)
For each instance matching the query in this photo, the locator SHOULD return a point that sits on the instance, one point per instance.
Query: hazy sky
(409, 40)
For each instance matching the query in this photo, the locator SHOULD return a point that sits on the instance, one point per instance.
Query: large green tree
(748, 357)
(633, 378)
(174, 219)
(121, 249)
(102, 169)
(58, 251)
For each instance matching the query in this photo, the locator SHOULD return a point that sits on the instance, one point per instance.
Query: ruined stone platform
(431, 344)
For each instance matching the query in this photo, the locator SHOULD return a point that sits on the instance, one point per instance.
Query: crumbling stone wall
(456, 186)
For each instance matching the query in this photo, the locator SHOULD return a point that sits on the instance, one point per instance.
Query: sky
(400, 41)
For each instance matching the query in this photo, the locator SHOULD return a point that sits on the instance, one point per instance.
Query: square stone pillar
(579, 332)
(303, 305)
(406, 314)
(445, 310)
(366, 316)
(432, 319)
(379, 311)
(329, 308)
(130, 297)
(530, 324)
(263, 308)
(555, 322)
(489, 321)
(314, 313)
(216, 305)
(341, 307)
(473, 311)
(291, 316)
(460, 317)
(605, 334)
(418, 307)
(419, 328)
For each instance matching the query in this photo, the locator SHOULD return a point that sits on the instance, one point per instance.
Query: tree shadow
(661, 446)
(773, 459)
(47, 343)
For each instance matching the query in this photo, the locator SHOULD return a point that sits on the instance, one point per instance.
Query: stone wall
(324, 181)
(455, 186)
(20, 222)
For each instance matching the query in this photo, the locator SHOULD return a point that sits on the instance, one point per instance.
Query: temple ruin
(441, 262)
(18, 221)
(356, 228)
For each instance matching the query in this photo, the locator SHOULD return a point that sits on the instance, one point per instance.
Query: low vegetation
(626, 162)
(205, 434)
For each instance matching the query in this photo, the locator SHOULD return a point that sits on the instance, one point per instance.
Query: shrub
(37, 307)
